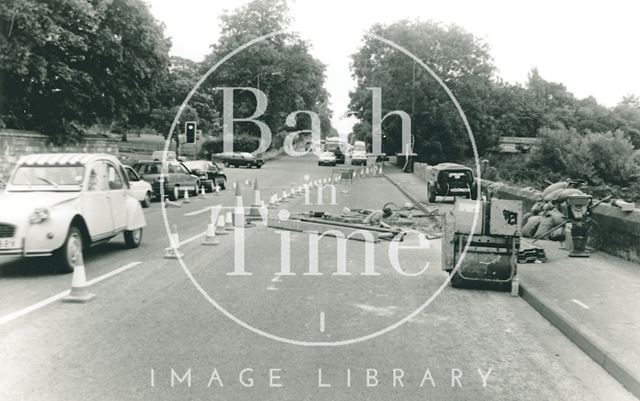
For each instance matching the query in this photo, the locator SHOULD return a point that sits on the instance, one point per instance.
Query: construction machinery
(493, 243)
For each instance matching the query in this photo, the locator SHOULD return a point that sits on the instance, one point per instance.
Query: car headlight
(39, 215)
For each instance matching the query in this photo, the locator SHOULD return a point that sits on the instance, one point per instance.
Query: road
(150, 334)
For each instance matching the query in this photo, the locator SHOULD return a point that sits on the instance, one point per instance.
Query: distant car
(327, 159)
(208, 172)
(241, 159)
(340, 157)
(359, 157)
(176, 176)
(450, 179)
(59, 204)
(140, 189)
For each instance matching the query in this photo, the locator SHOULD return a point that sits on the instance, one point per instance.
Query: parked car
(140, 189)
(240, 159)
(359, 157)
(450, 179)
(327, 159)
(340, 157)
(208, 172)
(59, 204)
(176, 176)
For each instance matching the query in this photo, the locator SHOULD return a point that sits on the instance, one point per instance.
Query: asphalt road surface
(150, 334)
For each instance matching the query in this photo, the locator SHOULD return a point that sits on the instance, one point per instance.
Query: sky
(593, 48)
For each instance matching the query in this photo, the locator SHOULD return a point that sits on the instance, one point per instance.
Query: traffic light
(190, 131)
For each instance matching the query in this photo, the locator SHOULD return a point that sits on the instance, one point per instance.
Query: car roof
(451, 166)
(58, 159)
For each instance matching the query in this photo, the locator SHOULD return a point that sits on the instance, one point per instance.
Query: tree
(282, 67)
(457, 57)
(65, 64)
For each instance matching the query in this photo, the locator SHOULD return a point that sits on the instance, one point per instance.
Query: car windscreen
(48, 176)
(455, 176)
(147, 168)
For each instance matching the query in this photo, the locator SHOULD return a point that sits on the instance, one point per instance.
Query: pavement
(159, 330)
(590, 300)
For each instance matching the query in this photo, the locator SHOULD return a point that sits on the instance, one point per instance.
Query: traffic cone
(380, 170)
(202, 192)
(210, 237)
(186, 196)
(173, 250)
(79, 288)
(220, 227)
(228, 221)
(176, 192)
(247, 183)
(217, 190)
(283, 198)
(272, 202)
(254, 211)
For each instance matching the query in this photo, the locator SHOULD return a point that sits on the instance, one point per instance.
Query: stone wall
(15, 143)
(621, 229)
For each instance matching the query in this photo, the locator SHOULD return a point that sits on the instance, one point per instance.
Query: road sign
(190, 131)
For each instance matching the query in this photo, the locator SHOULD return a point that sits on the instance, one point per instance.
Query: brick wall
(14, 143)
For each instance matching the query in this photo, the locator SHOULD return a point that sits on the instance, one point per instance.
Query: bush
(563, 151)
(614, 159)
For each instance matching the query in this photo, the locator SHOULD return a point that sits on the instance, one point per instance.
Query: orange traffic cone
(220, 228)
(228, 221)
(210, 237)
(186, 196)
(173, 250)
(79, 288)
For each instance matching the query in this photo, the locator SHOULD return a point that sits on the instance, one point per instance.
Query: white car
(140, 189)
(327, 159)
(359, 157)
(58, 204)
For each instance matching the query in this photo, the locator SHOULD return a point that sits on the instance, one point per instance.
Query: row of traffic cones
(202, 194)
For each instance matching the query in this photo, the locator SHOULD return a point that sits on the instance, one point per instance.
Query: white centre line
(580, 303)
(24, 311)
(195, 237)
(321, 322)
(200, 211)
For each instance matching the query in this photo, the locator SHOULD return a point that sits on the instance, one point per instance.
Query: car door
(190, 180)
(138, 191)
(117, 197)
(96, 208)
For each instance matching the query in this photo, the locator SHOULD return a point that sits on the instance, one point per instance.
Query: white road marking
(195, 237)
(272, 288)
(580, 303)
(208, 208)
(22, 312)
(276, 279)
(321, 322)
(200, 211)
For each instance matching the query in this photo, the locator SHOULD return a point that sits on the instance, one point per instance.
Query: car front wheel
(133, 238)
(67, 255)
(146, 202)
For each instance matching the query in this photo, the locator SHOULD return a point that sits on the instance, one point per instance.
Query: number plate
(7, 243)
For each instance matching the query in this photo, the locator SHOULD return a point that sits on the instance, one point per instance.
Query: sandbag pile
(549, 212)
